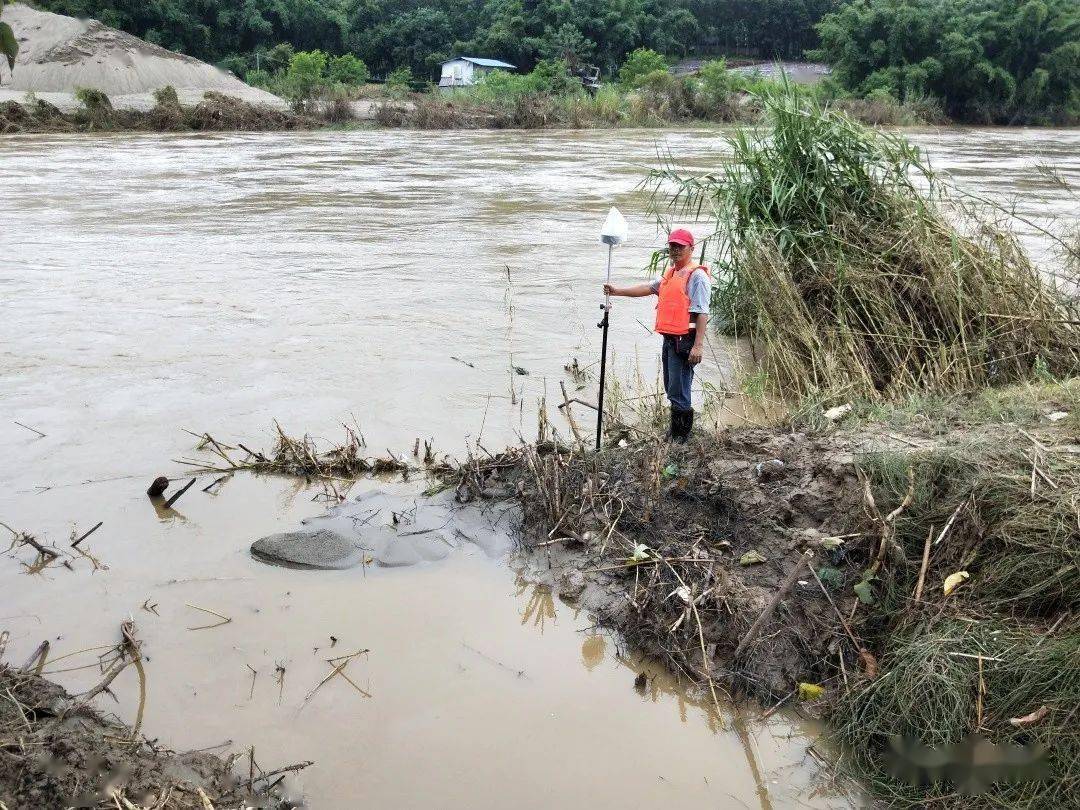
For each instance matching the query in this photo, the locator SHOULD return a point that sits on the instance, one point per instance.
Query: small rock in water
(320, 549)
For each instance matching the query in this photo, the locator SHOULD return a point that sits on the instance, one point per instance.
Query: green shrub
(399, 82)
(235, 64)
(93, 100)
(278, 58)
(306, 73)
(640, 64)
(166, 96)
(348, 70)
(259, 78)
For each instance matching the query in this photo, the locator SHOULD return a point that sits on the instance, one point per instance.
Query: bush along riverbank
(901, 553)
(216, 112)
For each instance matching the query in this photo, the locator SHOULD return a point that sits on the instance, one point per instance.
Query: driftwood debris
(75, 543)
(176, 495)
(158, 487)
(770, 608)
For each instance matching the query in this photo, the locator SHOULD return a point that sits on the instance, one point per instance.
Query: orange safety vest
(673, 306)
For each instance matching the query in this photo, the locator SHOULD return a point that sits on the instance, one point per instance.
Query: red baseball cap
(681, 236)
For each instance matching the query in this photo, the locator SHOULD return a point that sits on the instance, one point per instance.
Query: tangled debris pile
(292, 456)
(683, 549)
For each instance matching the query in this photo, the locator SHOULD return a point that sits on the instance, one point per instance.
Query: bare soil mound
(59, 54)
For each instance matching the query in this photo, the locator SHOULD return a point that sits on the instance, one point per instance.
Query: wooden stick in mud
(766, 614)
(176, 495)
(299, 766)
(836, 610)
(569, 413)
(924, 565)
(32, 430)
(258, 456)
(38, 657)
(116, 669)
(25, 539)
(98, 526)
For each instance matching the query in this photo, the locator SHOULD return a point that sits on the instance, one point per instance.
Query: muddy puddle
(219, 283)
(483, 688)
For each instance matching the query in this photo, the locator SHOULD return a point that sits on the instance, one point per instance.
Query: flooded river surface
(155, 283)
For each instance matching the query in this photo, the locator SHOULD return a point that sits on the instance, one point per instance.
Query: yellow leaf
(810, 691)
(954, 581)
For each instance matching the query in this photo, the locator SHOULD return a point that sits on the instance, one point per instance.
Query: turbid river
(154, 283)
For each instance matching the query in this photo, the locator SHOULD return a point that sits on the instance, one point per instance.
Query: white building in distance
(463, 71)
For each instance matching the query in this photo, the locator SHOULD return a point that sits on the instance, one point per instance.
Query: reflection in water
(593, 649)
(539, 607)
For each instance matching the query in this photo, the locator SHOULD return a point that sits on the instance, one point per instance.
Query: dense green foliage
(768, 28)
(9, 46)
(994, 61)
(640, 64)
(387, 34)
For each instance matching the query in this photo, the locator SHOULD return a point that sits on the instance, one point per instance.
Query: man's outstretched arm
(633, 291)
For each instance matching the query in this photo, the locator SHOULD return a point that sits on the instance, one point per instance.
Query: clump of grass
(97, 109)
(1019, 541)
(1002, 506)
(849, 278)
(937, 692)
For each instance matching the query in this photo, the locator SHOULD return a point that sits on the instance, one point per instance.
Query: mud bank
(681, 549)
(57, 751)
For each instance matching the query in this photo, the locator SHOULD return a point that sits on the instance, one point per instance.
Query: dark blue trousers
(678, 373)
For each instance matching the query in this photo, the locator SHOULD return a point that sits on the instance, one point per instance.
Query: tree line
(986, 61)
(993, 61)
(419, 34)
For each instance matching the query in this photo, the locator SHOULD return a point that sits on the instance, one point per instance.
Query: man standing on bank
(682, 313)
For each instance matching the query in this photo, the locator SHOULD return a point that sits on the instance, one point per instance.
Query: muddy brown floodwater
(153, 283)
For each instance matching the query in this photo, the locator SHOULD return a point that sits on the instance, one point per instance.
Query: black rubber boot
(681, 421)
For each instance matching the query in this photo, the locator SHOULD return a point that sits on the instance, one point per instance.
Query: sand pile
(59, 54)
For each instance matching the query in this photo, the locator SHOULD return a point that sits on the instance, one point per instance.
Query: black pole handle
(603, 369)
